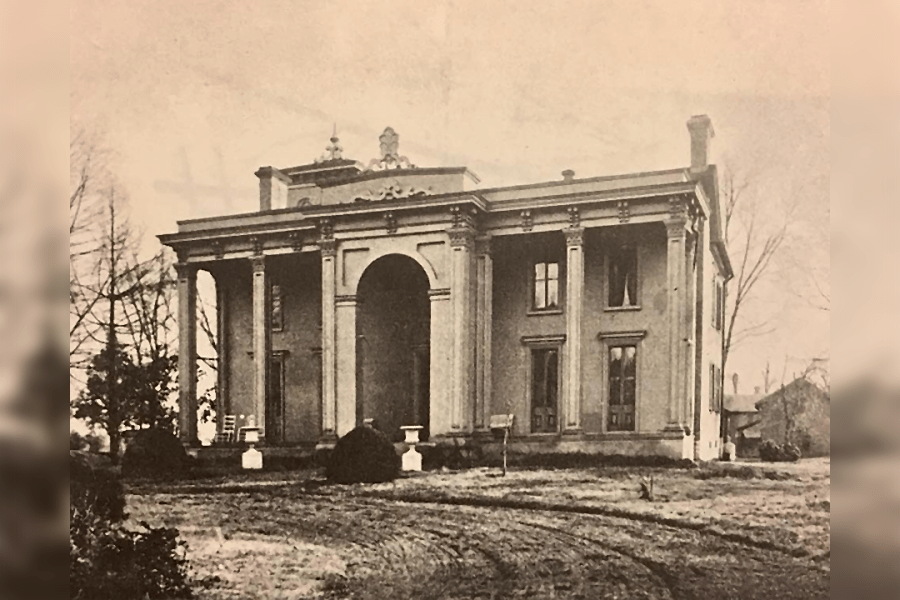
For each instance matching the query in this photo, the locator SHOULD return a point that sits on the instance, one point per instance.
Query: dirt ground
(534, 534)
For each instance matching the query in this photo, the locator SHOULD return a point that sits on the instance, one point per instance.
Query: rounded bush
(364, 455)
(790, 453)
(769, 451)
(154, 452)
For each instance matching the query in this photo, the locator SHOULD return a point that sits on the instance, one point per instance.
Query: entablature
(290, 230)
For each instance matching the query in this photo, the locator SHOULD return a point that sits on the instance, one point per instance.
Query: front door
(544, 390)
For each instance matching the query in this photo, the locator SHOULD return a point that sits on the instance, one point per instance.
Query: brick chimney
(734, 382)
(273, 188)
(701, 129)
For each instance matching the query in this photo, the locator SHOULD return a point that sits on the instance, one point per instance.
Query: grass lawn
(738, 531)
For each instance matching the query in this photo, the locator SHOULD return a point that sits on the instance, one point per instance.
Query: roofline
(803, 379)
(559, 182)
(721, 251)
(487, 205)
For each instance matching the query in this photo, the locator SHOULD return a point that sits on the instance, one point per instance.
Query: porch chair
(226, 435)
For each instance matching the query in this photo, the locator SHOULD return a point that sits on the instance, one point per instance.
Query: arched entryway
(393, 327)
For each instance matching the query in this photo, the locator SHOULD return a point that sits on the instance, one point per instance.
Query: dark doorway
(394, 330)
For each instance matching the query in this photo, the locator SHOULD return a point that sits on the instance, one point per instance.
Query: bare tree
(752, 246)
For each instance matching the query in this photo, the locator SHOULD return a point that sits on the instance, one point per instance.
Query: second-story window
(546, 286)
(719, 305)
(623, 278)
(277, 309)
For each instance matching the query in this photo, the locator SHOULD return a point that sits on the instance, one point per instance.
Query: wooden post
(505, 440)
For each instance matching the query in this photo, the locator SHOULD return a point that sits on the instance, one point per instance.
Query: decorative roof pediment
(393, 191)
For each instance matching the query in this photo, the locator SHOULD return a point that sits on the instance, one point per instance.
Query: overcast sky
(192, 97)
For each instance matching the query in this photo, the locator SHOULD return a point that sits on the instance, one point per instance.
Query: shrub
(94, 487)
(364, 455)
(584, 460)
(108, 560)
(456, 456)
(154, 452)
(790, 453)
(770, 451)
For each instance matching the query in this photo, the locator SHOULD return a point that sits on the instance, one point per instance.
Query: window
(623, 278)
(277, 315)
(622, 383)
(544, 389)
(718, 309)
(546, 286)
(715, 389)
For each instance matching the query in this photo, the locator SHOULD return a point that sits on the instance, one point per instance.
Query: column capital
(483, 244)
(462, 237)
(258, 263)
(676, 228)
(328, 247)
(185, 270)
(574, 236)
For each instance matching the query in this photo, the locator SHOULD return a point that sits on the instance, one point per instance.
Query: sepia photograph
(452, 300)
(446, 300)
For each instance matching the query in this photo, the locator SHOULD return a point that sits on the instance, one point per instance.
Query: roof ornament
(333, 150)
(393, 191)
(390, 154)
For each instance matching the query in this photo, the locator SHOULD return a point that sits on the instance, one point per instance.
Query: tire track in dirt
(512, 556)
(655, 569)
(604, 511)
(472, 552)
(433, 550)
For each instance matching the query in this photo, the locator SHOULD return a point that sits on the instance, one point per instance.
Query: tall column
(484, 283)
(261, 340)
(223, 401)
(345, 360)
(328, 248)
(461, 245)
(441, 362)
(676, 304)
(690, 315)
(574, 312)
(699, 323)
(187, 352)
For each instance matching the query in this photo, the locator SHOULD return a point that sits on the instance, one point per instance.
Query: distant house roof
(799, 385)
(742, 402)
(751, 431)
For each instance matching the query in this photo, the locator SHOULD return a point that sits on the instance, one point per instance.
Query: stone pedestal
(412, 459)
(252, 458)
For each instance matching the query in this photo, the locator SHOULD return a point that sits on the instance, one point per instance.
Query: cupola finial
(334, 149)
